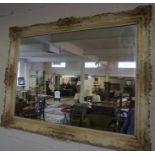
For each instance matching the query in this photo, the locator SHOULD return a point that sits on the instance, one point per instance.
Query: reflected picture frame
(21, 81)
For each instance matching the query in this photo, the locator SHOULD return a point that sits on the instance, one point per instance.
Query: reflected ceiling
(108, 44)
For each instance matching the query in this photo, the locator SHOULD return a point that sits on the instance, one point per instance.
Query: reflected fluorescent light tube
(127, 64)
(91, 65)
(59, 65)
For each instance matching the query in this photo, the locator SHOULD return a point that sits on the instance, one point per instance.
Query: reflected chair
(37, 111)
(78, 114)
(100, 117)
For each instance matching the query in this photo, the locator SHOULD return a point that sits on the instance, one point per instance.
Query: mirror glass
(83, 78)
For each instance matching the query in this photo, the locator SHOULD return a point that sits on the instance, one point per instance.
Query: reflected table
(66, 112)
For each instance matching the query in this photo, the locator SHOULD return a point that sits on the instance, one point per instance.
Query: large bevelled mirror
(83, 78)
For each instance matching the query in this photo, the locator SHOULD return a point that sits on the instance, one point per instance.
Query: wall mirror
(83, 79)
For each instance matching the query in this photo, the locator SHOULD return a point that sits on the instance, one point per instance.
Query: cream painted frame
(140, 16)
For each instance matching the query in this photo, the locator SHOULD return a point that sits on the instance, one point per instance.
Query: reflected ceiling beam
(125, 54)
(70, 47)
(119, 75)
(31, 47)
(52, 59)
(45, 43)
(93, 57)
(104, 51)
(38, 50)
(117, 58)
(106, 43)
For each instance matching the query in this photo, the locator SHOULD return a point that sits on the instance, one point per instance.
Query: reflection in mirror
(84, 78)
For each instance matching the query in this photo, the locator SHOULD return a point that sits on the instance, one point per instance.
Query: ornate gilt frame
(140, 16)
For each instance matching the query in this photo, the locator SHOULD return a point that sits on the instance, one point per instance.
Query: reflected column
(107, 84)
(82, 82)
